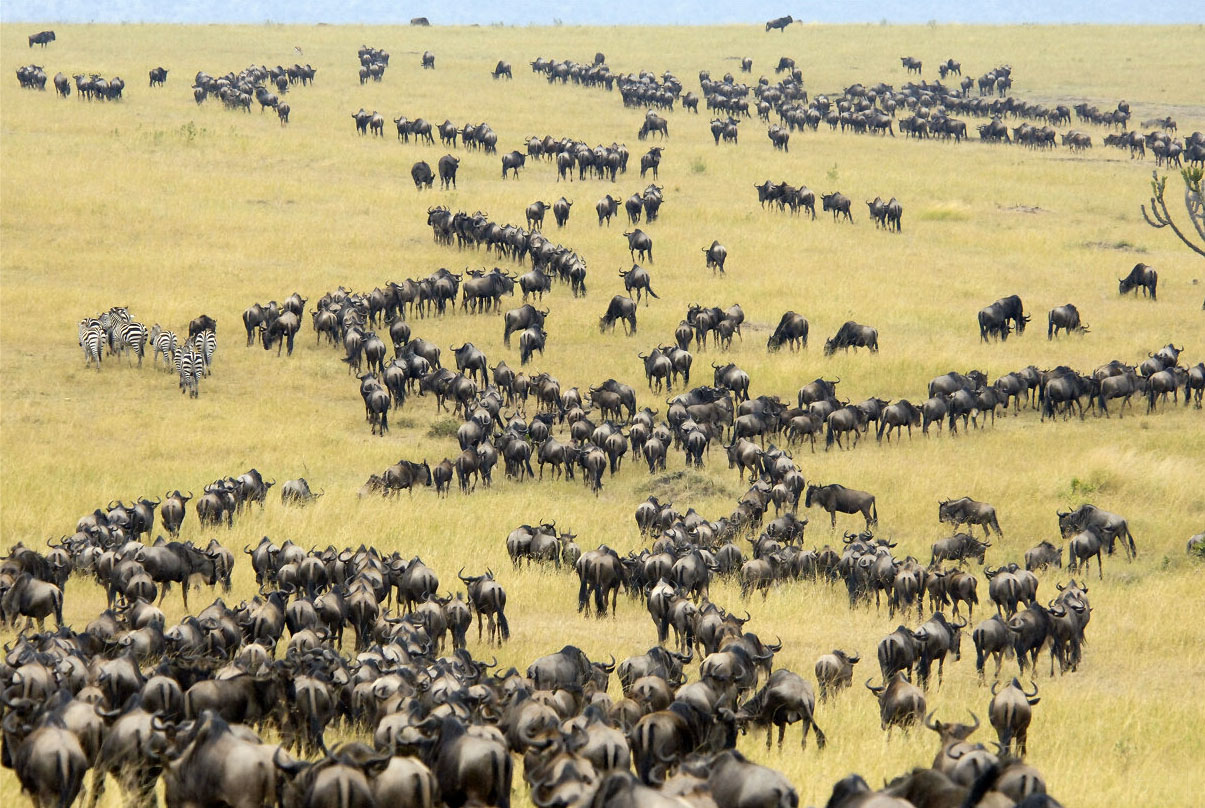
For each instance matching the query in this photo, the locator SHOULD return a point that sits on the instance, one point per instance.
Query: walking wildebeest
(834, 498)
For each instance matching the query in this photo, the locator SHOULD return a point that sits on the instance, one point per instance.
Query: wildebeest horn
(874, 689)
(929, 720)
(610, 667)
(994, 686)
(1035, 689)
(976, 718)
(854, 659)
(963, 624)
(775, 648)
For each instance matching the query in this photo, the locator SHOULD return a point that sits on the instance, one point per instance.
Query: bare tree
(1159, 217)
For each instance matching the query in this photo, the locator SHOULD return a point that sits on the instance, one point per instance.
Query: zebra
(205, 343)
(90, 339)
(111, 321)
(132, 335)
(190, 366)
(163, 342)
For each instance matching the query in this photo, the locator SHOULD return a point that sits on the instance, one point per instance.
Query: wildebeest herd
(233, 706)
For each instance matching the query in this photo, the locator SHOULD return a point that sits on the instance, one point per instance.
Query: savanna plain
(175, 209)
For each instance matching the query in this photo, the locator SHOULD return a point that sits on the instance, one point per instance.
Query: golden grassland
(175, 209)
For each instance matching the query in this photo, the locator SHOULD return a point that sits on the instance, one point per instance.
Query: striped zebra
(132, 335)
(190, 366)
(111, 321)
(91, 337)
(165, 343)
(206, 344)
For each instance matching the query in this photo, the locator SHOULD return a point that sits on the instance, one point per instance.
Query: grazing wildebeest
(1066, 318)
(966, 511)
(620, 308)
(834, 498)
(502, 69)
(779, 24)
(838, 203)
(716, 254)
(792, 329)
(1141, 275)
(640, 244)
(852, 335)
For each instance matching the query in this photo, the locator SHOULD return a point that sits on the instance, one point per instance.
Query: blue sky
(608, 12)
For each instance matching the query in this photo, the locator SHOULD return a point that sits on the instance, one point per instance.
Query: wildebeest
(966, 511)
(785, 699)
(158, 76)
(837, 498)
(502, 69)
(1140, 276)
(606, 207)
(297, 492)
(531, 340)
(838, 203)
(792, 329)
(835, 671)
(428, 60)
(1064, 317)
(780, 24)
(560, 211)
(640, 244)
(421, 173)
(535, 214)
(447, 171)
(716, 255)
(513, 162)
(638, 278)
(651, 160)
(901, 703)
(1010, 712)
(896, 416)
(1110, 525)
(886, 214)
(42, 38)
(852, 335)
(620, 308)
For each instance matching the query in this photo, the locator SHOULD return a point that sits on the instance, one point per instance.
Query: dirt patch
(1123, 246)
(1022, 209)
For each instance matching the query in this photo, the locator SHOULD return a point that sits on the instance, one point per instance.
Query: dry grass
(173, 210)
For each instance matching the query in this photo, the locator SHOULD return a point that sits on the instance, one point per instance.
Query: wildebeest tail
(828, 437)
(503, 626)
(649, 289)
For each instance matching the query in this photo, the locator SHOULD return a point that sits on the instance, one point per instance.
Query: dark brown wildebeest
(42, 38)
(838, 203)
(896, 416)
(716, 255)
(966, 511)
(792, 329)
(785, 699)
(1110, 525)
(620, 308)
(428, 60)
(852, 335)
(1064, 317)
(606, 208)
(638, 278)
(776, 24)
(1141, 275)
(901, 703)
(911, 65)
(992, 638)
(1042, 556)
(834, 498)
(422, 175)
(835, 671)
(1010, 713)
(640, 244)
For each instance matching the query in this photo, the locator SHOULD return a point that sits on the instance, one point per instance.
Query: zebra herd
(117, 332)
